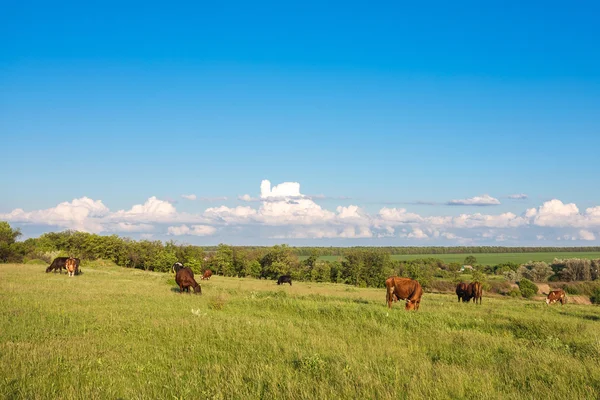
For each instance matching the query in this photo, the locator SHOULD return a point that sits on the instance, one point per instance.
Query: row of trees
(360, 266)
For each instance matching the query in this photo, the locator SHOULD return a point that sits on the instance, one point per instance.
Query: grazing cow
(185, 280)
(284, 279)
(556, 295)
(71, 265)
(405, 289)
(177, 266)
(61, 262)
(461, 291)
(475, 292)
(207, 274)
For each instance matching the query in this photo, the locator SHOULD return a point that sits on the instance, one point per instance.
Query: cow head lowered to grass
(404, 289)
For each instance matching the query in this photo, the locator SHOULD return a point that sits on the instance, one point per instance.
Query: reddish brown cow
(207, 274)
(71, 266)
(475, 292)
(405, 289)
(185, 280)
(461, 291)
(556, 295)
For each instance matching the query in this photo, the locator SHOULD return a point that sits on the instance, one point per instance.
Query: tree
(528, 289)
(9, 251)
(470, 260)
(537, 271)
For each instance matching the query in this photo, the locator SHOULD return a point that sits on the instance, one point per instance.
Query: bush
(514, 292)
(528, 289)
(595, 297)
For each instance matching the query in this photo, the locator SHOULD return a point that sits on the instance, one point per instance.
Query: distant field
(119, 333)
(489, 258)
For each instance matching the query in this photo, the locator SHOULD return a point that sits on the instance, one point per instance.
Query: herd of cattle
(396, 288)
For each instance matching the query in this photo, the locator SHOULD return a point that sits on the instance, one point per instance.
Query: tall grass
(119, 333)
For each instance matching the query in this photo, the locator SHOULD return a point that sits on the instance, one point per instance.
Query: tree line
(359, 266)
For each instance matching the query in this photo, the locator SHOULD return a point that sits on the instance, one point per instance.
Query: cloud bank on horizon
(284, 213)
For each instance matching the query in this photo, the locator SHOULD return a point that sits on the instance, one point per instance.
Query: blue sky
(371, 106)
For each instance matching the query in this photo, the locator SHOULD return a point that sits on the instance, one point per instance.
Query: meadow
(121, 333)
(486, 258)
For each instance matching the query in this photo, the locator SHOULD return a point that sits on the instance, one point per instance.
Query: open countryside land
(123, 333)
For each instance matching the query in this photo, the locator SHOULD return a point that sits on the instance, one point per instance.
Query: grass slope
(486, 258)
(118, 333)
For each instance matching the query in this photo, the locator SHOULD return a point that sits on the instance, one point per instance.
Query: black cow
(60, 262)
(185, 280)
(177, 266)
(284, 279)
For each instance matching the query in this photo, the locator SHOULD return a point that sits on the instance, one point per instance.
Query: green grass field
(487, 258)
(118, 333)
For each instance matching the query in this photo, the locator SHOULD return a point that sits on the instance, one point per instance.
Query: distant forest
(360, 266)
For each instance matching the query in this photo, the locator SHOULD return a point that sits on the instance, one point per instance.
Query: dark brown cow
(405, 289)
(185, 280)
(475, 292)
(556, 295)
(461, 291)
(207, 274)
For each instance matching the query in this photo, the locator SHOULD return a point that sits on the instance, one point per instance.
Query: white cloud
(212, 199)
(518, 196)
(82, 214)
(189, 196)
(417, 234)
(195, 230)
(586, 235)
(282, 211)
(485, 200)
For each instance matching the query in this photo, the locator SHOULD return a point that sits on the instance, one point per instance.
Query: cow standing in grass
(404, 289)
(556, 295)
(284, 279)
(71, 266)
(61, 262)
(461, 291)
(475, 292)
(185, 280)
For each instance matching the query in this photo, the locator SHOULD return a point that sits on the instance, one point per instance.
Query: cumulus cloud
(283, 211)
(586, 235)
(195, 230)
(485, 200)
(518, 196)
(189, 196)
(82, 214)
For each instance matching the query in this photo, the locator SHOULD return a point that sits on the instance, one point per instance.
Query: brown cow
(185, 280)
(461, 291)
(71, 266)
(556, 295)
(405, 289)
(475, 292)
(207, 274)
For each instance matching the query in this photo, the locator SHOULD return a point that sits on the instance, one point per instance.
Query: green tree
(9, 250)
(470, 260)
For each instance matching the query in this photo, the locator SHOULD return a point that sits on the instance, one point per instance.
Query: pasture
(120, 333)
(486, 258)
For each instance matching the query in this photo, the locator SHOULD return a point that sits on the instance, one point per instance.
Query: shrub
(528, 289)
(514, 292)
(595, 297)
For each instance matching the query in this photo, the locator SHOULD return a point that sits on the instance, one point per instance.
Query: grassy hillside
(118, 333)
(488, 258)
